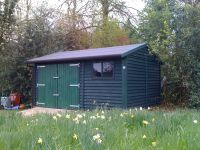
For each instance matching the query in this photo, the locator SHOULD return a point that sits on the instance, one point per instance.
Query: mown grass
(118, 130)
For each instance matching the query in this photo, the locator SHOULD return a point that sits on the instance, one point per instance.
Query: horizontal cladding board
(137, 98)
(136, 80)
(88, 86)
(89, 101)
(134, 91)
(137, 84)
(108, 94)
(103, 91)
(113, 79)
(103, 88)
(135, 75)
(136, 64)
(102, 82)
(136, 69)
(138, 60)
(97, 106)
(102, 97)
(139, 77)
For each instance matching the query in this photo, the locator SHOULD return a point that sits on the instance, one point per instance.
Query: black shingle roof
(107, 52)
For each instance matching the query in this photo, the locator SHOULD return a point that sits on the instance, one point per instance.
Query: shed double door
(58, 85)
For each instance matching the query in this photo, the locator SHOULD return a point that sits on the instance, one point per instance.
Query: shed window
(97, 67)
(103, 69)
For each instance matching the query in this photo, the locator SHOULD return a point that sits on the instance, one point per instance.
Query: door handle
(55, 77)
(77, 85)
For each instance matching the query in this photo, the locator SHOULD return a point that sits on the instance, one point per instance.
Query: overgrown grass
(113, 130)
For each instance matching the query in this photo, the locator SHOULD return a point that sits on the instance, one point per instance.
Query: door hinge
(40, 103)
(41, 66)
(55, 77)
(55, 94)
(73, 65)
(74, 106)
(40, 84)
(77, 85)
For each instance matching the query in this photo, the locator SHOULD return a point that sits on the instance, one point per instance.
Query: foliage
(109, 34)
(171, 29)
(101, 129)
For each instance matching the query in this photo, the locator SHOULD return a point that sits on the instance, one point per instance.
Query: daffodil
(132, 116)
(140, 108)
(79, 116)
(96, 129)
(59, 115)
(75, 136)
(154, 143)
(84, 121)
(102, 112)
(145, 122)
(121, 115)
(92, 117)
(153, 119)
(54, 117)
(39, 141)
(99, 141)
(97, 138)
(195, 121)
(103, 117)
(144, 136)
(97, 115)
(67, 116)
(76, 120)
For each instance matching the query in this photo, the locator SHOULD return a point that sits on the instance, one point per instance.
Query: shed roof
(94, 53)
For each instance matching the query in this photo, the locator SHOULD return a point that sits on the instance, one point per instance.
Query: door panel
(63, 88)
(51, 86)
(58, 85)
(41, 85)
(69, 92)
(73, 82)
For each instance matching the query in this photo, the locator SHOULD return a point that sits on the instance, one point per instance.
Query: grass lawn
(110, 130)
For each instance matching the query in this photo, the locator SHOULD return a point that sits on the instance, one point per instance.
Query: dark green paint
(138, 84)
(51, 86)
(124, 82)
(41, 86)
(57, 92)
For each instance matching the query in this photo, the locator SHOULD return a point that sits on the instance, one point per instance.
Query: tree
(171, 30)
(7, 22)
(109, 34)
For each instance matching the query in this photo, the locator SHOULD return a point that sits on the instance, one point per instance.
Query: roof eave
(71, 59)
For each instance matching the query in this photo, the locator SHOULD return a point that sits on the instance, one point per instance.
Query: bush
(194, 101)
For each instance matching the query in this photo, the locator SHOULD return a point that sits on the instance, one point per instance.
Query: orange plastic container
(15, 98)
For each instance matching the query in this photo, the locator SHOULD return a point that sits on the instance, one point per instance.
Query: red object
(15, 98)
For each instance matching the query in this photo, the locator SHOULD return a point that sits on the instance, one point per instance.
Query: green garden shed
(120, 76)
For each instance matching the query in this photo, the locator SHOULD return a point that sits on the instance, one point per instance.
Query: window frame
(103, 77)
